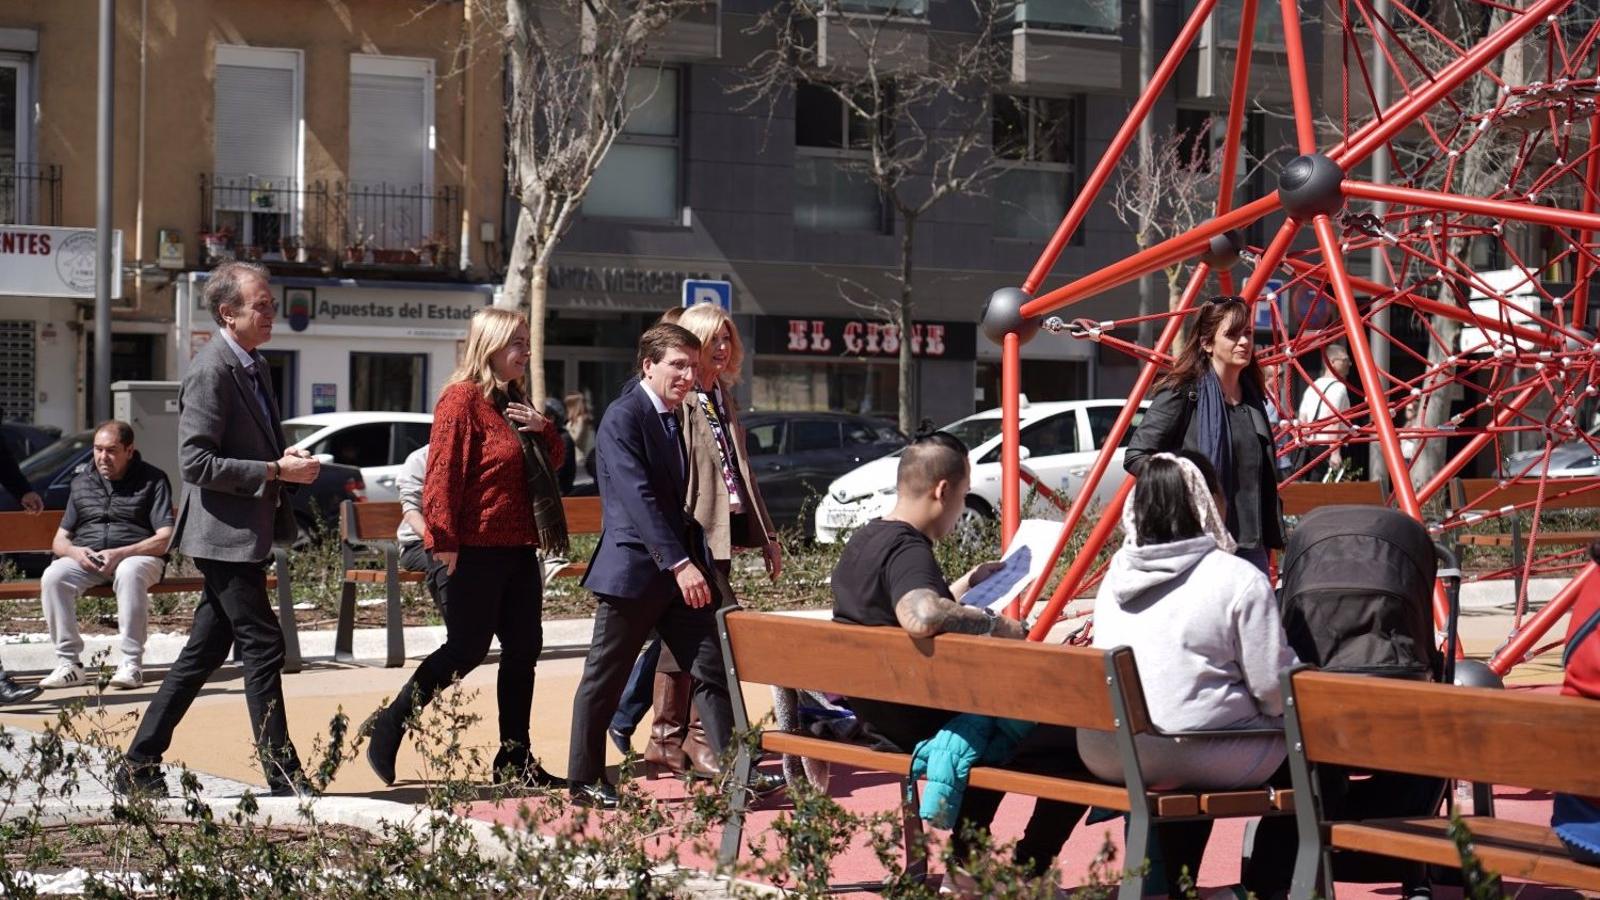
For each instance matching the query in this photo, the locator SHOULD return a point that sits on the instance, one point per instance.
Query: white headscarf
(1200, 501)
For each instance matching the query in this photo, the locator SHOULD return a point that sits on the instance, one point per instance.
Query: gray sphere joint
(1222, 252)
(1310, 185)
(1002, 315)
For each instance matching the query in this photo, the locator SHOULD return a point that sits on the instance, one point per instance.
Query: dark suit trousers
(233, 608)
(621, 625)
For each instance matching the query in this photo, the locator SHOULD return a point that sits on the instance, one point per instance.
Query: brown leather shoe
(703, 760)
(665, 752)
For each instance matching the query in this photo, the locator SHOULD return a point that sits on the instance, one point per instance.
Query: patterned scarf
(719, 430)
(544, 490)
(1200, 501)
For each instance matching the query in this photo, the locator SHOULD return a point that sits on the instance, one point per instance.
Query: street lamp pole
(103, 274)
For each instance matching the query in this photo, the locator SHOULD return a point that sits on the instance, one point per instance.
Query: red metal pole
(1102, 461)
(1371, 384)
(1010, 431)
(1305, 124)
(1069, 583)
(1238, 102)
(1591, 183)
(1478, 442)
(1118, 146)
(1477, 206)
(1397, 118)
(1535, 628)
(1174, 249)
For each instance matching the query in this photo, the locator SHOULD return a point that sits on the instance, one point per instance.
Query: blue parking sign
(696, 292)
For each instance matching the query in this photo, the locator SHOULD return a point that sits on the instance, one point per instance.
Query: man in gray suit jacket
(235, 468)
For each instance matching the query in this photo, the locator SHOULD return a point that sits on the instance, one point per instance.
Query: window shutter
(255, 126)
(388, 131)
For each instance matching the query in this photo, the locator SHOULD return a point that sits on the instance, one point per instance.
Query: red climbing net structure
(1480, 158)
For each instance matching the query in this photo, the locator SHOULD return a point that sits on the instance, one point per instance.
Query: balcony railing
(388, 225)
(263, 219)
(30, 194)
(1078, 16)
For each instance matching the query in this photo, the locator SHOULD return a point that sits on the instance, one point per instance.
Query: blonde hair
(491, 330)
(704, 320)
(577, 408)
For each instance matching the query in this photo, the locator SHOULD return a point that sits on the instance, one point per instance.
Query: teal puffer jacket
(947, 758)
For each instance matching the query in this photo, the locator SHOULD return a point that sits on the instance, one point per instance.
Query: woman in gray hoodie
(1204, 628)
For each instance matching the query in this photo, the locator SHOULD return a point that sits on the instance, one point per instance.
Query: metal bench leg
(344, 631)
(738, 800)
(396, 622)
(1137, 854)
(291, 633)
(915, 840)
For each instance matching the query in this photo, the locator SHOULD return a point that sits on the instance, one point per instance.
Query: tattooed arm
(923, 613)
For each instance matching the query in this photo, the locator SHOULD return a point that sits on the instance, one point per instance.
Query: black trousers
(233, 608)
(1047, 750)
(494, 592)
(621, 625)
(414, 557)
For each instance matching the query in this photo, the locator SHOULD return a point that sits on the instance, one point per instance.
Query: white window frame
(22, 194)
(407, 67)
(271, 58)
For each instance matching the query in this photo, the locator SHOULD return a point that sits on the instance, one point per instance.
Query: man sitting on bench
(887, 576)
(114, 531)
(413, 530)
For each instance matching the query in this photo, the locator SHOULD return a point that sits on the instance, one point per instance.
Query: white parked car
(377, 442)
(1059, 443)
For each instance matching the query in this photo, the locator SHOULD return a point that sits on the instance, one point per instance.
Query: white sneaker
(64, 675)
(128, 676)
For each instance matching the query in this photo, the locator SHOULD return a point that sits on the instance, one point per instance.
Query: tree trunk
(527, 277)
(908, 387)
(537, 288)
(519, 271)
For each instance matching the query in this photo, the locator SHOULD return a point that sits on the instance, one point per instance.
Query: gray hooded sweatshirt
(1204, 629)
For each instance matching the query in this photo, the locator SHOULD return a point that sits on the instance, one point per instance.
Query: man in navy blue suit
(650, 568)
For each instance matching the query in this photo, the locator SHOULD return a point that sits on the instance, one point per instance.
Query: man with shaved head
(887, 576)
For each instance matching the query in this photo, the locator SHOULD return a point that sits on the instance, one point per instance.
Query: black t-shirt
(884, 561)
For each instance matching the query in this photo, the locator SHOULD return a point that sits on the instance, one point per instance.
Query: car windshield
(295, 432)
(48, 461)
(973, 432)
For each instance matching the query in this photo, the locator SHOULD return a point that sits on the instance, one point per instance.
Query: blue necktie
(261, 392)
(671, 421)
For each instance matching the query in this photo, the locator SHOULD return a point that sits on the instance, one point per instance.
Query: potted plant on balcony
(218, 245)
(356, 250)
(431, 253)
(291, 249)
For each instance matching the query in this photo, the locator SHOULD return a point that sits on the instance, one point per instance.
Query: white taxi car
(1059, 443)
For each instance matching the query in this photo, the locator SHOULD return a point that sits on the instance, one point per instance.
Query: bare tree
(1166, 192)
(570, 65)
(918, 106)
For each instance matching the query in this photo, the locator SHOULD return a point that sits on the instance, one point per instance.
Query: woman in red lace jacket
(490, 501)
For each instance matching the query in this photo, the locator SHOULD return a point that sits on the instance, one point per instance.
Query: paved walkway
(213, 737)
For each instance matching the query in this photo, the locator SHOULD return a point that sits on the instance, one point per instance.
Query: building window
(831, 192)
(1079, 16)
(1224, 24)
(391, 145)
(1038, 136)
(855, 386)
(389, 382)
(15, 140)
(256, 144)
(638, 179)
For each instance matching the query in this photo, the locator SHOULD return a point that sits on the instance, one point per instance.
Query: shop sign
(334, 310)
(809, 336)
(324, 397)
(618, 287)
(54, 262)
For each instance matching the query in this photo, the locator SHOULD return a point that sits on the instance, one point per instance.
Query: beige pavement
(213, 738)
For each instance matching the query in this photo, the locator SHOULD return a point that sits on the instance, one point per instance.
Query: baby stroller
(1357, 597)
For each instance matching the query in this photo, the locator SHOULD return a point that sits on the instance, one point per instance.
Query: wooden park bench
(1533, 741)
(1069, 686)
(369, 528)
(1476, 498)
(22, 532)
(1301, 497)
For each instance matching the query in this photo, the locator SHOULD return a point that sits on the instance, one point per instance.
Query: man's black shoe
(143, 780)
(623, 742)
(594, 796)
(383, 745)
(763, 783)
(11, 692)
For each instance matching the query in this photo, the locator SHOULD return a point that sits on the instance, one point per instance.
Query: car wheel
(973, 529)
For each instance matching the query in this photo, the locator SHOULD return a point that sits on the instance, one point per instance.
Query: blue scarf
(1215, 437)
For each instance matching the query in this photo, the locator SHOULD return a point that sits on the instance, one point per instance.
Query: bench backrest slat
(22, 532)
(962, 673)
(1300, 498)
(365, 523)
(1475, 493)
(1474, 734)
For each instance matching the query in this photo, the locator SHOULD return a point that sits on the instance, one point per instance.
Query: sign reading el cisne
(36, 261)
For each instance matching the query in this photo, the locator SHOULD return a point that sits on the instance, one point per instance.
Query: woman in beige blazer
(725, 499)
